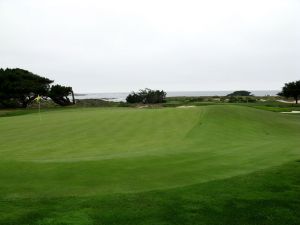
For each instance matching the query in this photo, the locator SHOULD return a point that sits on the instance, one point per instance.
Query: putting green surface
(105, 155)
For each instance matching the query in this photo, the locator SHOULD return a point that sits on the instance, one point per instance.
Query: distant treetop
(147, 96)
(240, 93)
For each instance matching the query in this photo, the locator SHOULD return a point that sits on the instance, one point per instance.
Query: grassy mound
(149, 166)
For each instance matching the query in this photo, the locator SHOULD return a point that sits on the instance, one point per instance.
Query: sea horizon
(121, 96)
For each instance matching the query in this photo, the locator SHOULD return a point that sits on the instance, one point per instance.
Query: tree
(19, 87)
(240, 93)
(152, 97)
(147, 96)
(291, 90)
(60, 95)
(134, 98)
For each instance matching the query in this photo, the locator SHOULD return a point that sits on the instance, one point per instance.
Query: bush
(241, 99)
(147, 96)
(240, 93)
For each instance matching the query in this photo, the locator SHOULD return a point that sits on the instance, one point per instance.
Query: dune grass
(203, 165)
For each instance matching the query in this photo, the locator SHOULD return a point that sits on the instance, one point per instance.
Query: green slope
(268, 197)
(104, 156)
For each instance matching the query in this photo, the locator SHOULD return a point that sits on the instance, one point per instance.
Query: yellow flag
(38, 98)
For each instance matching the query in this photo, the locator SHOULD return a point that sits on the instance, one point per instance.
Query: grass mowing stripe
(269, 197)
(101, 153)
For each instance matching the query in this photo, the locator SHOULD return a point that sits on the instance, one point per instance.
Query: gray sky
(187, 45)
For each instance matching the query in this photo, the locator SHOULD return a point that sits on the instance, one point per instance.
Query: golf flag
(38, 99)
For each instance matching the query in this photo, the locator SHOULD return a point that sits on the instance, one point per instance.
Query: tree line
(19, 88)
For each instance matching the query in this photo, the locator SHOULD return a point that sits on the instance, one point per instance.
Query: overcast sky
(124, 45)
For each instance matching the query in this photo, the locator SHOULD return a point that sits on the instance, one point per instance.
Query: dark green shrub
(147, 96)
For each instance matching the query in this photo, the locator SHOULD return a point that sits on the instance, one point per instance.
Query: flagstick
(38, 99)
(40, 111)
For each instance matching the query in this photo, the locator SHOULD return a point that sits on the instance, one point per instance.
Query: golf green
(91, 165)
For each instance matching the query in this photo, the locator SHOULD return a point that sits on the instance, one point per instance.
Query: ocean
(121, 96)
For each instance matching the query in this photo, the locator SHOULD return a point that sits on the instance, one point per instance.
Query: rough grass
(202, 165)
(277, 108)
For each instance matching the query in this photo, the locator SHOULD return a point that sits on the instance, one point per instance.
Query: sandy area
(185, 106)
(291, 102)
(292, 112)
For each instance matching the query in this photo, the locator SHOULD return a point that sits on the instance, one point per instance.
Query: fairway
(95, 164)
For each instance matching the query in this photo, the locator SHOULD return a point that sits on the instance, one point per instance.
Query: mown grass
(204, 165)
(270, 197)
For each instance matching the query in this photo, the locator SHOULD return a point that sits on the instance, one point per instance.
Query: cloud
(118, 45)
